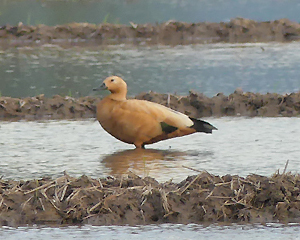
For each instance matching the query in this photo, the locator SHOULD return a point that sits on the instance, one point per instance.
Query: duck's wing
(167, 117)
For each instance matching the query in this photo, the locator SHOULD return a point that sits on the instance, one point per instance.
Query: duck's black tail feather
(202, 126)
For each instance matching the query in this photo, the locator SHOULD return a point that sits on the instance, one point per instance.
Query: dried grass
(134, 200)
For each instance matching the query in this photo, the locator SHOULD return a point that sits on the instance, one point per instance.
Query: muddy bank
(238, 30)
(248, 104)
(195, 105)
(40, 107)
(204, 198)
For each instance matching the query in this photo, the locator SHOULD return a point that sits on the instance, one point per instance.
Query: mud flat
(238, 30)
(129, 199)
(195, 105)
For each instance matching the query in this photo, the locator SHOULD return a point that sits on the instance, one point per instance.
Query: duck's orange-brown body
(141, 122)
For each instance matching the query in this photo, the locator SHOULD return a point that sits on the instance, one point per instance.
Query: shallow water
(209, 68)
(53, 12)
(240, 146)
(163, 231)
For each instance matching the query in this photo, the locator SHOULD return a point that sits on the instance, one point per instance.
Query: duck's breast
(126, 121)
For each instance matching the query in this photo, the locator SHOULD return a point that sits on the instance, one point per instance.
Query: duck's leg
(139, 145)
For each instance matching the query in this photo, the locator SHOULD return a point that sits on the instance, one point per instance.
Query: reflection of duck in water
(141, 122)
(120, 162)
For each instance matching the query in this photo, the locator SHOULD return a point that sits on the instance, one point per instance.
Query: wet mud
(238, 30)
(40, 107)
(203, 198)
(194, 105)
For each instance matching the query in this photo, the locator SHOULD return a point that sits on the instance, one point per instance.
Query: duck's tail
(202, 126)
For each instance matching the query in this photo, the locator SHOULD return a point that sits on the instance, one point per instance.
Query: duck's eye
(112, 80)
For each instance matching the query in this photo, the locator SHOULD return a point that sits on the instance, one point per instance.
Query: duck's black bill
(101, 87)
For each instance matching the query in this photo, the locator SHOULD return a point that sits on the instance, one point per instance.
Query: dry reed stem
(133, 25)
(100, 183)
(246, 181)
(89, 216)
(221, 179)
(40, 187)
(15, 187)
(165, 203)
(121, 181)
(147, 190)
(71, 209)
(136, 187)
(195, 179)
(48, 199)
(143, 216)
(24, 204)
(63, 192)
(221, 184)
(224, 213)
(193, 169)
(231, 184)
(56, 199)
(41, 202)
(210, 177)
(46, 189)
(73, 194)
(168, 214)
(209, 195)
(285, 167)
(95, 206)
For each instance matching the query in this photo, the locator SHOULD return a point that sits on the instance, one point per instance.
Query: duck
(142, 122)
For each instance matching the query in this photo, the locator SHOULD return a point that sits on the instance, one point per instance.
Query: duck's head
(115, 85)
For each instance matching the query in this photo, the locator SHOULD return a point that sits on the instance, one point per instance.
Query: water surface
(53, 12)
(208, 68)
(163, 231)
(241, 146)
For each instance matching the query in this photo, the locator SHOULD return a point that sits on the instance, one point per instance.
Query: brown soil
(40, 107)
(204, 198)
(195, 105)
(170, 33)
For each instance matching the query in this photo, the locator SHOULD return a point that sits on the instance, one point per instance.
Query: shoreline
(196, 105)
(132, 200)
(237, 30)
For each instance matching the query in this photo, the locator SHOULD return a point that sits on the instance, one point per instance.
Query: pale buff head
(116, 85)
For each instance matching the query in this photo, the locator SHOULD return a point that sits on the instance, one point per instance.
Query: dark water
(272, 67)
(53, 12)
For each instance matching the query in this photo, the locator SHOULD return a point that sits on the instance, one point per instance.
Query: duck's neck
(118, 96)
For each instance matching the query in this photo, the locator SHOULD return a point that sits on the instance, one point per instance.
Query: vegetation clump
(130, 199)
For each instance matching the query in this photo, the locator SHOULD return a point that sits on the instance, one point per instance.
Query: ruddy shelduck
(141, 122)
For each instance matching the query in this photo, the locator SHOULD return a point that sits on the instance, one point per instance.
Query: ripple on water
(240, 146)
(162, 231)
(206, 68)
